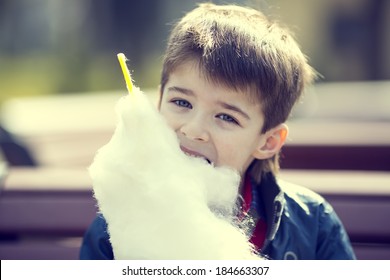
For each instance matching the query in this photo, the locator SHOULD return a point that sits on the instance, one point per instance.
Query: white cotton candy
(158, 202)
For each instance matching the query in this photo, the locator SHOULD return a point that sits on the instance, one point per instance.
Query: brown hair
(240, 48)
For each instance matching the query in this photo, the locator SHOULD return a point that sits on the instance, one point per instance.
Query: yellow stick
(122, 61)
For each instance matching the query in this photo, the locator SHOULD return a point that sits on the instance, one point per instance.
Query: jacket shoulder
(314, 215)
(302, 196)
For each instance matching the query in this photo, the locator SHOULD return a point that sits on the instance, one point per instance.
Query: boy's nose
(195, 130)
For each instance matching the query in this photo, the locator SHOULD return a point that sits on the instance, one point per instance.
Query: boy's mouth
(191, 153)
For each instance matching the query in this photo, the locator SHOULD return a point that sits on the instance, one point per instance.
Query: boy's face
(212, 121)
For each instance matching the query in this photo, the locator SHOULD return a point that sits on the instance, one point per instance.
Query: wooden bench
(341, 126)
(44, 212)
(337, 145)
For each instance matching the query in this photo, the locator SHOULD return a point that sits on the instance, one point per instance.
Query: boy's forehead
(185, 71)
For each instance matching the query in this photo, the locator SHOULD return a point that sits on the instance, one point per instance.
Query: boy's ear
(271, 142)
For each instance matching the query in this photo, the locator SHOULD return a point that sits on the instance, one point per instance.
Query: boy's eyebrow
(234, 108)
(222, 104)
(181, 90)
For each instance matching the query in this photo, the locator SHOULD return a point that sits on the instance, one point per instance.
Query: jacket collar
(271, 202)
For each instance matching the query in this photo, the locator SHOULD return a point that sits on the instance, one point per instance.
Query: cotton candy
(158, 202)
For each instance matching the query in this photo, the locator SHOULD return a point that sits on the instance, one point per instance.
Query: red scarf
(259, 233)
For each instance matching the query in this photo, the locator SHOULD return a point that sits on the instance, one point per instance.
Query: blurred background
(60, 80)
(62, 47)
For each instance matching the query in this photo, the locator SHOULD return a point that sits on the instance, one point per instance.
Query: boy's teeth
(190, 155)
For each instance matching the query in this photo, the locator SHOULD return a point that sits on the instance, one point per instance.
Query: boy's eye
(182, 103)
(227, 118)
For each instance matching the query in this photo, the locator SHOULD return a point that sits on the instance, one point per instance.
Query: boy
(229, 81)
